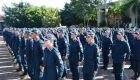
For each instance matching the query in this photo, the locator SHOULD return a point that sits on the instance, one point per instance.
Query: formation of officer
(47, 53)
(75, 54)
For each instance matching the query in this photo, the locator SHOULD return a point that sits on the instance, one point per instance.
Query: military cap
(90, 33)
(27, 32)
(49, 37)
(60, 30)
(35, 31)
(119, 33)
(74, 32)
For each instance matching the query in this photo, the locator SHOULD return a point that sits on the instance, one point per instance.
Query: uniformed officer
(136, 57)
(120, 54)
(75, 55)
(37, 55)
(16, 47)
(82, 38)
(22, 52)
(28, 52)
(53, 64)
(106, 45)
(91, 57)
(63, 49)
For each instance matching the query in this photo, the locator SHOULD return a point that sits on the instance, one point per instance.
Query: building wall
(130, 13)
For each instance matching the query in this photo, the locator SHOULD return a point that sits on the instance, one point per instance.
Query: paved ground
(7, 70)
(107, 74)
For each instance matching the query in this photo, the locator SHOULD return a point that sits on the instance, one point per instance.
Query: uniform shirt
(37, 52)
(91, 58)
(53, 64)
(120, 51)
(75, 51)
(106, 44)
(29, 49)
(136, 50)
(62, 45)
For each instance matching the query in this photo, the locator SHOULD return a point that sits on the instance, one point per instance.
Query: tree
(51, 17)
(26, 15)
(79, 11)
(114, 12)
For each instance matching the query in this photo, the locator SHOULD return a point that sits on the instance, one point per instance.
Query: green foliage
(114, 9)
(26, 15)
(133, 5)
(79, 11)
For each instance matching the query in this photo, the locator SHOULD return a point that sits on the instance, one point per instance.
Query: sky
(48, 3)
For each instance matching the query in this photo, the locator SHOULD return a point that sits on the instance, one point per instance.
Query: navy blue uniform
(53, 64)
(75, 56)
(119, 50)
(37, 58)
(29, 56)
(22, 54)
(82, 39)
(136, 57)
(16, 48)
(91, 61)
(106, 45)
(63, 49)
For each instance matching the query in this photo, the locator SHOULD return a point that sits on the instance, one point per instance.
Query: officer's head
(74, 34)
(49, 40)
(61, 32)
(135, 34)
(44, 32)
(27, 34)
(35, 34)
(90, 36)
(120, 36)
(17, 32)
(106, 33)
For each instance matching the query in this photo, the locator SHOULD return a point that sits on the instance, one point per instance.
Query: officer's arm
(80, 50)
(110, 42)
(59, 63)
(96, 61)
(67, 47)
(128, 51)
(41, 52)
(96, 40)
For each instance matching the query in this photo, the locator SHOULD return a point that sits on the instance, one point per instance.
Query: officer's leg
(85, 76)
(65, 69)
(105, 60)
(24, 64)
(75, 71)
(29, 69)
(137, 68)
(36, 74)
(118, 70)
(19, 62)
(88, 76)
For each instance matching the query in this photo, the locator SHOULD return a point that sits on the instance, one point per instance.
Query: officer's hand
(94, 73)
(124, 62)
(25, 56)
(65, 57)
(79, 63)
(42, 68)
